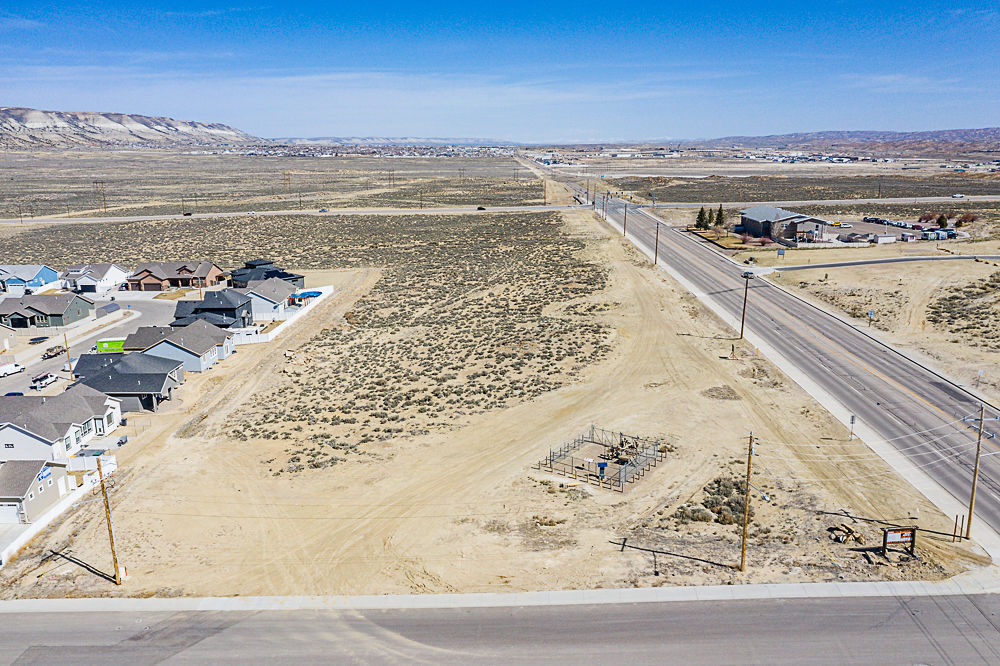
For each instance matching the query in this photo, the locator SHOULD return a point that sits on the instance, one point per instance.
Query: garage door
(9, 513)
(88, 288)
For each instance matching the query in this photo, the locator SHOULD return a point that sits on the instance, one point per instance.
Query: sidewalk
(31, 354)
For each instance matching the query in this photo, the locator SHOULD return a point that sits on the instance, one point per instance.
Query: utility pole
(747, 276)
(300, 201)
(656, 243)
(975, 473)
(69, 361)
(182, 204)
(746, 508)
(111, 527)
(625, 220)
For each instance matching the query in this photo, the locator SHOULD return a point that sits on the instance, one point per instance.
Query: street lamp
(656, 243)
(747, 275)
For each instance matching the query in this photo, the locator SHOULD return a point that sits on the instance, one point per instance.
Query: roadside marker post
(746, 507)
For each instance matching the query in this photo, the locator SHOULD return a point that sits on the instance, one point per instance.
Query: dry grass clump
(856, 302)
(971, 312)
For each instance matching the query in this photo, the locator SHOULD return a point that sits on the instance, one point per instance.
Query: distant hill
(916, 143)
(31, 128)
(387, 141)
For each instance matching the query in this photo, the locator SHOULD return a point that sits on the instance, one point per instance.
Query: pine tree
(720, 217)
(702, 222)
(711, 219)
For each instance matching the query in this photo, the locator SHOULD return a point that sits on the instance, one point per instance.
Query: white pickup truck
(10, 369)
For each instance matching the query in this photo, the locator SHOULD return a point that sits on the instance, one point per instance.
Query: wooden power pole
(69, 361)
(111, 526)
(746, 507)
(975, 473)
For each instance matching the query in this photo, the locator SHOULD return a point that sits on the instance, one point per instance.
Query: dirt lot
(522, 332)
(804, 187)
(946, 312)
(158, 182)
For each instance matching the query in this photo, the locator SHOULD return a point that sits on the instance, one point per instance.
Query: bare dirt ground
(451, 503)
(946, 312)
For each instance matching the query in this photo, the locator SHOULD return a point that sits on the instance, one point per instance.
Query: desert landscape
(388, 444)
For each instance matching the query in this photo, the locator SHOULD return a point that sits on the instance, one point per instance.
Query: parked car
(52, 352)
(958, 196)
(846, 225)
(10, 369)
(480, 208)
(187, 214)
(39, 340)
(917, 227)
(323, 210)
(38, 382)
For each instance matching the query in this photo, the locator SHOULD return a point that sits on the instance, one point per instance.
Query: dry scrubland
(803, 187)
(387, 445)
(946, 312)
(153, 182)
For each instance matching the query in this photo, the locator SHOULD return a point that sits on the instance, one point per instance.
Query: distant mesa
(927, 142)
(31, 128)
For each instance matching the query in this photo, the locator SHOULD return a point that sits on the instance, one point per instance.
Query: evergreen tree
(720, 217)
(711, 219)
(702, 222)
(942, 221)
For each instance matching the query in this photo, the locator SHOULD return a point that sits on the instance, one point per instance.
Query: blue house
(18, 279)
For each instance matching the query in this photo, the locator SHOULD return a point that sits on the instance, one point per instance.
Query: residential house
(20, 279)
(145, 337)
(163, 275)
(227, 308)
(55, 427)
(224, 340)
(139, 381)
(94, 278)
(195, 348)
(268, 298)
(777, 223)
(29, 488)
(44, 310)
(259, 270)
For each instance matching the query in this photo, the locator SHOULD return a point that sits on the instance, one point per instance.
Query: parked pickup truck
(10, 369)
(38, 382)
(52, 352)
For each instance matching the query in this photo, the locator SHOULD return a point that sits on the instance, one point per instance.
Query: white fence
(248, 338)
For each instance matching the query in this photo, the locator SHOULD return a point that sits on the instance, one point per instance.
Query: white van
(11, 369)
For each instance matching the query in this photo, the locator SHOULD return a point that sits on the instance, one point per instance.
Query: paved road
(886, 260)
(895, 630)
(828, 202)
(152, 312)
(903, 403)
(462, 210)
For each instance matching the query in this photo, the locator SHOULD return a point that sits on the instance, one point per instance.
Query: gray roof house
(44, 310)
(140, 381)
(258, 270)
(195, 346)
(94, 278)
(145, 337)
(227, 308)
(57, 426)
(778, 223)
(29, 488)
(268, 298)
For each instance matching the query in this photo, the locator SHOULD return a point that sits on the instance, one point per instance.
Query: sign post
(907, 536)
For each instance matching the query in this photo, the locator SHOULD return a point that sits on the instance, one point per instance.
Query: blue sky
(540, 71)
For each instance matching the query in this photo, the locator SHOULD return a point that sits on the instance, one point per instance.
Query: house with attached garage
(164, 275)
(268, 298)
(145, 337)
(195, 347)
(20, 279)
(258, 270)
(139, 381)
(227, 308)
(94, 278)
(29, 488)
(55, 427)
(44, 310)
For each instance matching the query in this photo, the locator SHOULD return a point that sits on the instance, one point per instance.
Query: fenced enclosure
(604, 458)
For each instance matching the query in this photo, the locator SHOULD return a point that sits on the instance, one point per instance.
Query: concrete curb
(968, 584)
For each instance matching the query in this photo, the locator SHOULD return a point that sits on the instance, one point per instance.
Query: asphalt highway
(893, 630)
(462, 210)
(911, 407)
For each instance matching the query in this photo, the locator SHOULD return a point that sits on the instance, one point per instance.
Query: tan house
(164, 275)
(29, 488)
